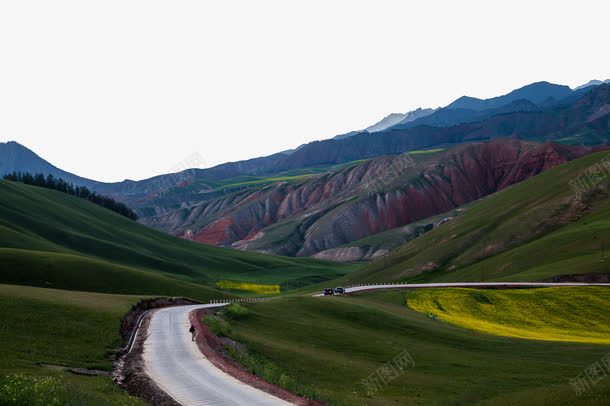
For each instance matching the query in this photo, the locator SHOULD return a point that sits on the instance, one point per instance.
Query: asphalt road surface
(177, 366)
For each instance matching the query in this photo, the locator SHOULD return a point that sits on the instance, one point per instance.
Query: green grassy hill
(44, 330)
(556, 314)
(534, 230)
(330, 345)
(50, 239)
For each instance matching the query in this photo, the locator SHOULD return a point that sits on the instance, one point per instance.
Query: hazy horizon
(132, 89)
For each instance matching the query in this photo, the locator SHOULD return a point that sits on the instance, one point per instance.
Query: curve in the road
(177, 366)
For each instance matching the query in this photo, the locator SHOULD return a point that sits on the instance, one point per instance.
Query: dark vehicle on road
(329, 291)
(339, 290)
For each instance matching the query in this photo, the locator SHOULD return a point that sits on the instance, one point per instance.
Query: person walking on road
(192, 331)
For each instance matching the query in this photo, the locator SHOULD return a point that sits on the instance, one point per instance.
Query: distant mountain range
(389, 121)
(536, 97)
(399, 118)
(592, 83)
(568, 122)
(175, 202)
(537, 93)
(16, 157)
(312, 216)
(466, 109)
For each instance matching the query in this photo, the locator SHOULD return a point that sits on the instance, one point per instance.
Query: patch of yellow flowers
(249, 287)
(575, 314)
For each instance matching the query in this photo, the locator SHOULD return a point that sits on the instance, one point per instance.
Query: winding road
(177, 366)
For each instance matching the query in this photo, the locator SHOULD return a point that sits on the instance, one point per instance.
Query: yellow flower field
(577, 314)
(249, 287)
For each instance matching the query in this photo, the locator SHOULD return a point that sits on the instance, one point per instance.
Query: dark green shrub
(236, 311)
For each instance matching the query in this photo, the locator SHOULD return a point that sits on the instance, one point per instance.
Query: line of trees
(51, 182)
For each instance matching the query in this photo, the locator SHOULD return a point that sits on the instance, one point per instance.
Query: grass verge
(256, 363)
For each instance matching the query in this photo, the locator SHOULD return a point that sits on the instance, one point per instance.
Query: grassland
(249, 181)
(534, 230)
(331, 344)
(50, 239)
(427, 151)
(58, 328)
(573, 314)
(295, 175)
(579, 247)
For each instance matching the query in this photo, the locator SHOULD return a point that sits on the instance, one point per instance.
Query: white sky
(128, 89)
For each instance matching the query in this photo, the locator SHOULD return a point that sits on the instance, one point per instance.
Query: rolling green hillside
(574, 314)
(343, 340)
(45, 330)
(533, 230)
(50, 239)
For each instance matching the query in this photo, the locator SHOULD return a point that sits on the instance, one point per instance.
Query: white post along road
(177, 366)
